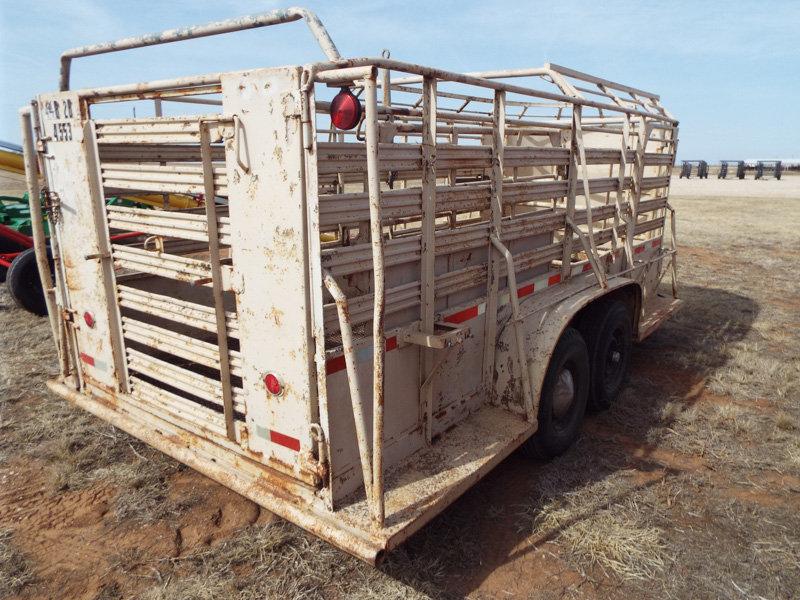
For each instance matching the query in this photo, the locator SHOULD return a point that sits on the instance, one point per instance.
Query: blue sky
(730, 71)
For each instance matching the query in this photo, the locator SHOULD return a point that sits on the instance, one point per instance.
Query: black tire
(24, 283)
(559, 426)
(610, 340)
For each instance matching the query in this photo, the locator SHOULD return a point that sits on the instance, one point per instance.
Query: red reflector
(87, 359)
(345, 109)
(88, 318)
(274, 386)
(284, 440)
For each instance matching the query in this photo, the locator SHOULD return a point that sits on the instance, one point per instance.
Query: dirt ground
(688, 487)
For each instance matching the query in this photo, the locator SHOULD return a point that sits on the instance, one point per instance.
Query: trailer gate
(349, 327)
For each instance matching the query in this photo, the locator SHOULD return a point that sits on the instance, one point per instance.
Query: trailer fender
(542, 326)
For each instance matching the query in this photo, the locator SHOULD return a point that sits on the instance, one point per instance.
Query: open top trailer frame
(359, 323)
(688, 165)
(724, 165)
(766, 167)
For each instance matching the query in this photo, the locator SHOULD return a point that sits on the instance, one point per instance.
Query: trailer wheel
(24, 283)
(610, 346)
(563, 399)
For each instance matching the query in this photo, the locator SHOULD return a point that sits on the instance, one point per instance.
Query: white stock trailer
(393, 275)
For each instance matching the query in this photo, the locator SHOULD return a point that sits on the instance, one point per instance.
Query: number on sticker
(62, 132)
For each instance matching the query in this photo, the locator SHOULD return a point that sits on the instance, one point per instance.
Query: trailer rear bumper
(289, 501)
(660, 309)
(418, 490)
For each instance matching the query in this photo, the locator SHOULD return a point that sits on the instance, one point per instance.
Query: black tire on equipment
(610, 331)
(555, 434)
(24, 283)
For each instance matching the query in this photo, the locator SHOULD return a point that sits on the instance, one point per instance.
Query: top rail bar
(274, 17)
(600, 81)
(444, 75)
(316, 69)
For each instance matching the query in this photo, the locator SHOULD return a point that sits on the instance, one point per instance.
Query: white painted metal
(427, 255)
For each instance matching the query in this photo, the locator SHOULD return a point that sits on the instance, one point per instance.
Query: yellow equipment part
(173, 200)
(11, 161)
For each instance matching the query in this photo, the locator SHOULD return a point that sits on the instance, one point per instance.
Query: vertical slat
(379, 291)
(591, 250)
(638, 174)
(496, 213)
(39, 239)
(216, 280)
(428, 254)
(621, 191)
(572, 182)
(95, 186)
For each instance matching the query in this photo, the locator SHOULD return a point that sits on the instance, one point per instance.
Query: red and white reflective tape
(284, 440)
(336, 364)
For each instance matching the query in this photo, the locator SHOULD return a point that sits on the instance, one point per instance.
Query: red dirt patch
(78, 547)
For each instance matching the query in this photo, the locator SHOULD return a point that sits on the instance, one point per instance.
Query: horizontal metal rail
(444, 75)
(345, 157)
(274, 17)
(158, 130)
(172, 266)
(337, 209)
(182, 379)
(176, 310)
(407, 295)
(171, 178)
(210, 82)
(154, 152)
(179, 410)
(179, 224)
(178, 344)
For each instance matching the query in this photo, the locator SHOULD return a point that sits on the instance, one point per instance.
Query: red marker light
(273, 384)
(345, 109)
(88, 318)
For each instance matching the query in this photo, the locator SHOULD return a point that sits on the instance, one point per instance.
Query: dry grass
(626, 521)
(610, 524)
(81, 450)
(78, 449)
(15, 571)
(273, 561)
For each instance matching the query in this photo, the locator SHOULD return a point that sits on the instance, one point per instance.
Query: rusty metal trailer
(398, 274)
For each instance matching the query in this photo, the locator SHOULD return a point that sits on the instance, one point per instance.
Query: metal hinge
(293, 104)
(68, 316)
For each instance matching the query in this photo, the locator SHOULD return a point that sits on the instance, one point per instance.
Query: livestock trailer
(766, 167)
(724, 165)
(397, 274)
(688, 166)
